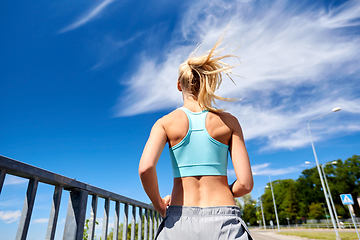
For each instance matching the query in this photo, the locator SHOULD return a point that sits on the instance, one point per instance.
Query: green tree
(286, 198)
(344, 177)
(248, 209)
(121, 229)
(238, 203)
(128, 236)
(316, 211)
(309, 190)
(86, 230)
(249, 214)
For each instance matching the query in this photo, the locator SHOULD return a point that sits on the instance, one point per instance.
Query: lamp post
(272, 192)
(326, 215)
(318, 167)
(328, 189)
(273, 197)
(262, 211)
(257, 212)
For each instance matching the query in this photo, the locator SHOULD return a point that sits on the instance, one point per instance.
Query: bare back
(202, 191)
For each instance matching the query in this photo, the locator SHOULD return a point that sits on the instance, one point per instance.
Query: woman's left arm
(147, 167)
(240, 158)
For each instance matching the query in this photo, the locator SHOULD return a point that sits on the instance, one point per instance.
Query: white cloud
(231, 172)
(91, 14)
(342, 16)
(13, 180)
(41, 220)
(298, 62)
(264, 169)
(110, 49)
(10, 216)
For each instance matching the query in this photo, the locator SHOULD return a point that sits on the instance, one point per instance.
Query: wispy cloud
(112, 49)
(298, 62)
(88, 16)
(264, 169)
(12, 180)
(342, 16)
(10, 216)
(41, 220)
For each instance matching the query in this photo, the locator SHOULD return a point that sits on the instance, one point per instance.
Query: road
(271, 235)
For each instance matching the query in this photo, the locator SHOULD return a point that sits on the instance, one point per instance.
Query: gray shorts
(210, 223)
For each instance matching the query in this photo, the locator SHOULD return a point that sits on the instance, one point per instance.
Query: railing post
(92, 222)
(75, 217)
(106, 218)
(140, 224)
(151, 228)
(2, 178)
(146, 224)
(27, 210)
(155, 222)
(125, 226)
(133, 222)
(116, 221)
(54, 213)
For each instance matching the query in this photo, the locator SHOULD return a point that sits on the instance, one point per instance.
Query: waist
(206, 211)
(202, 191)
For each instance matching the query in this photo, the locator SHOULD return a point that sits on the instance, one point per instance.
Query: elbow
(144, 170)
(243, 188)
(249, 187)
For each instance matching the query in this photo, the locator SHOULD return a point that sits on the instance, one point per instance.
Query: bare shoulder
(172, 117)
(230, 120)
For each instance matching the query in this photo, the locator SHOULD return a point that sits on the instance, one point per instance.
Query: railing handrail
(28, 171)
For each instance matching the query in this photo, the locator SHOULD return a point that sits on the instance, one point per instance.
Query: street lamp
(288, 221)
(273, 197)
(262, 211)
(257, 213)
(272, 192)
(326, 215)
(328, 189)
(318, 167)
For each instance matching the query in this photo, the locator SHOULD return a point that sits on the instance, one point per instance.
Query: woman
(202, 204)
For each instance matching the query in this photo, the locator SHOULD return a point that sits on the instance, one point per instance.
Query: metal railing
(148, 218)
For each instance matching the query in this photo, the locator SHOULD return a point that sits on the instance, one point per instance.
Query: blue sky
(82, 83)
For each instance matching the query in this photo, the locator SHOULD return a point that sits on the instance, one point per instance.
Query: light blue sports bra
(198, 154)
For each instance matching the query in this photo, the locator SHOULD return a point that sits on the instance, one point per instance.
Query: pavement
(272, 235)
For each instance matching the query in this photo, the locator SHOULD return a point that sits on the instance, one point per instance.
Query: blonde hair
(202, 76)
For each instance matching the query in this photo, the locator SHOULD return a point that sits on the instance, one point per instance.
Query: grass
(323, 235)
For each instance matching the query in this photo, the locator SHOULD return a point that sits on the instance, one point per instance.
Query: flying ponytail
(202, 76)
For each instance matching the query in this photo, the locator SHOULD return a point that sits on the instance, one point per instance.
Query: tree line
(304, 198)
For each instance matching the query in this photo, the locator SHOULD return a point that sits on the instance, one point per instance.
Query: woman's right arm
(240, 159)
(147, 167)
